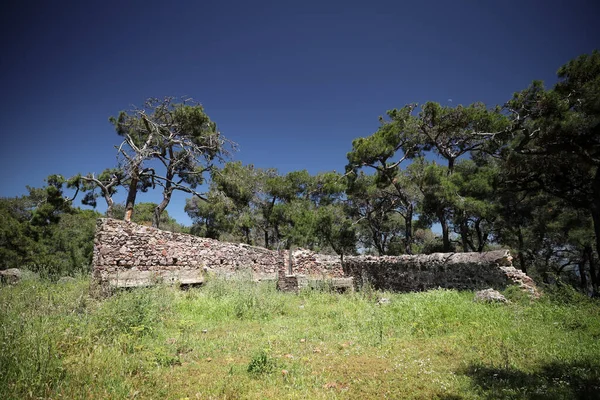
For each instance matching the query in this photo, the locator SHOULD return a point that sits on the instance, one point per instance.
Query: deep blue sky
(292, 82)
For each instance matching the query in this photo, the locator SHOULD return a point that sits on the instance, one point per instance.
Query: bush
(261, 363)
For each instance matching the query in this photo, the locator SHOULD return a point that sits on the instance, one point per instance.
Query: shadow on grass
(551, 381)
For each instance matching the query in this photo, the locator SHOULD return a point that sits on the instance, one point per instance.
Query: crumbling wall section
(128, 254)
(309, 263)
(461, 271)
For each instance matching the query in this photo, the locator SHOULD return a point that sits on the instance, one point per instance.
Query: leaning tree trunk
(408, 230)
(130, 202)
(158, 210)
(167, 193)
(109, 206)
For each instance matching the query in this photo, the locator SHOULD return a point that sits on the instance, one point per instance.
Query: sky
(293, 83)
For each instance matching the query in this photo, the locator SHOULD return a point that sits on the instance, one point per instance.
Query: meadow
(233, 338)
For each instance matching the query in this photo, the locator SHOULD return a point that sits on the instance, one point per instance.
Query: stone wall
(462, 271)
(127, 254)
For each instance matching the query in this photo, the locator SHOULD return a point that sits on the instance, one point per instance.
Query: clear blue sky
(292, 82)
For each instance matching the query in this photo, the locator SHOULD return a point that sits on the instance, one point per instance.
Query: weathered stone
(462, 271)
(288, 283)
(10, 276)
(490, 296)
(120, 247)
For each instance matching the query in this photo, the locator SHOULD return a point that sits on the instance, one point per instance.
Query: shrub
(261, 363)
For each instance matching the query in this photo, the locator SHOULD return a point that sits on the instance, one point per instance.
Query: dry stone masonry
(127, 254)
(462, 271)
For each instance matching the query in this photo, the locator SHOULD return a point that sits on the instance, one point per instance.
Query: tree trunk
(408, 237)
(450, 166)
(445, 233)
(109, 206)
(481, 237)
(266, 239)
(464, 234)
(167, 191)
(582, 273)
(277, 235)
(408, 230)
(130, 202)
(247, 235)
(595, 210)
(378, 243)
(158, 210)
(594, 276)
(520, 255)
(596, 219)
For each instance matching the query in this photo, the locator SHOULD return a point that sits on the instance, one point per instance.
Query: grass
(237, 339)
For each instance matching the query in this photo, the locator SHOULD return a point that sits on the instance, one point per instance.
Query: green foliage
(554, 147)
(427, 242)
(211, 218)
(372, 211)
(261, 363)
(396, 134)
(43, 233)
(49, 202)
(455, 131)
(397, 137)
(180, 136)
(105, 184)
(58, 341)
(136, 313)
(261, 207)
(16, 241)
(336, 228)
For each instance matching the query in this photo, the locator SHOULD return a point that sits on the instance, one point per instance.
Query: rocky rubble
(489, 296)
(10, 276)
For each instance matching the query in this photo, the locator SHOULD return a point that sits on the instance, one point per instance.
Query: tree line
(523, 175)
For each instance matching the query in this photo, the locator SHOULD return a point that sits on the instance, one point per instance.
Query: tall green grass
(234, 338)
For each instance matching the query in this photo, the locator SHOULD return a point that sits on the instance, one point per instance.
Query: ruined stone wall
(468, 271)
(127, 254)
(309, 263)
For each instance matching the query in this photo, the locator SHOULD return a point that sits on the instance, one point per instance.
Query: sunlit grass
(237, 339)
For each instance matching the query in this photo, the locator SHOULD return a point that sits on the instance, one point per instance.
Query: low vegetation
(238, 339)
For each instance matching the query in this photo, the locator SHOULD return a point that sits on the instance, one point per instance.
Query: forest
(523, 175)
